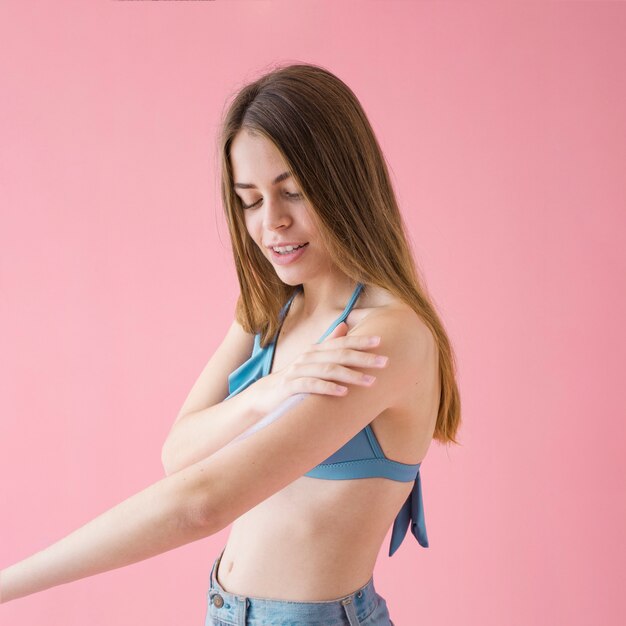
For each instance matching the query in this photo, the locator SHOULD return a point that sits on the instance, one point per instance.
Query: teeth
(283, 250)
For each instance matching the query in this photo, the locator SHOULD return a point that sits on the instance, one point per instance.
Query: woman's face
(275, 212)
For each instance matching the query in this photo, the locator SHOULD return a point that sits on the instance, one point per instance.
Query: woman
(281, 435)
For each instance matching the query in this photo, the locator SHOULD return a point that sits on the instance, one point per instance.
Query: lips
(288, 243)
(288, 257)
(293, 246)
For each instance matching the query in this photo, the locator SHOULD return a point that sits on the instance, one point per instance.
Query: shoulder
(405, 337)
(401, 323)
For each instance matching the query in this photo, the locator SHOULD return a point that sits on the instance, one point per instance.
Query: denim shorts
(363, 607)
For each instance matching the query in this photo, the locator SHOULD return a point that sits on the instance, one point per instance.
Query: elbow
(197, 503)
(166, 460)
(166, 470)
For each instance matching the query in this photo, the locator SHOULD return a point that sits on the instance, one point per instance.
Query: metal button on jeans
(218, 601)
(359, 594)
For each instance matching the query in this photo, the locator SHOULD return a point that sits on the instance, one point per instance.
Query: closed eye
(292, 196)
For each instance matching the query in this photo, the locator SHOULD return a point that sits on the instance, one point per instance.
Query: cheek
(248, 221)
(253, 228)
(308, 221)
(312, 229)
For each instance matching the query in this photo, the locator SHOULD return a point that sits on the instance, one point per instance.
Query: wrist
(250, 405)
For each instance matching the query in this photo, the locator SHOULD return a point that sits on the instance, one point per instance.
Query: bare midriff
(316, 539)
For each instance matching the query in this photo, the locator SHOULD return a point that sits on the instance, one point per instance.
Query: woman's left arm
(197, 501)
(162, 517)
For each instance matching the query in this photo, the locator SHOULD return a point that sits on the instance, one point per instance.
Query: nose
(275, 215)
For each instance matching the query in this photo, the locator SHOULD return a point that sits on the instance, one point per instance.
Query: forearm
(162, 517)
(200, 434)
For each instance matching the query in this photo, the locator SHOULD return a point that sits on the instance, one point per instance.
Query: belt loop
(348, 606)
(244, 610)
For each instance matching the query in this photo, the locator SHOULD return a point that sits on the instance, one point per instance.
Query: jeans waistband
(250, 610)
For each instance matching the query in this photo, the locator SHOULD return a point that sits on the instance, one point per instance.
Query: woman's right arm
(207, 421)
(202, 432)
(198, 435)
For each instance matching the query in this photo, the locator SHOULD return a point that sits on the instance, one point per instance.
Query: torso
(319, 539)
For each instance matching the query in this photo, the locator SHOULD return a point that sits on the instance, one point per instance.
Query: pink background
(504, 127)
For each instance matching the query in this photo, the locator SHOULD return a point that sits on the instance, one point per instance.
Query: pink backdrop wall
(504, 127)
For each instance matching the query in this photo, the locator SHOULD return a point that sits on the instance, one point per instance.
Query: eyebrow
(278, 179)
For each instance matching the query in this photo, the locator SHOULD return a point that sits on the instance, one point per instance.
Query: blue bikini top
(362, 456)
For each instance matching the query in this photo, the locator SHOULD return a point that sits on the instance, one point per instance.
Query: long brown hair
(320, 128)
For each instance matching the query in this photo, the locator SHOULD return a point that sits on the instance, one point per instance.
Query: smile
(289, 254)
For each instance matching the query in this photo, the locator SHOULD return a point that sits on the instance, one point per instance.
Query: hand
(318, 369)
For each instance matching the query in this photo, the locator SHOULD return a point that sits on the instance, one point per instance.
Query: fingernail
(374, 341)
(381, 360)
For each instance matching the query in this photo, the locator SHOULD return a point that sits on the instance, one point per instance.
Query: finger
(339, 331)
(335, 372)
(357, 342)
(311, 384)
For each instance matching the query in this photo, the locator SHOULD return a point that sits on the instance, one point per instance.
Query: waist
(258, 609)
(294, 568)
